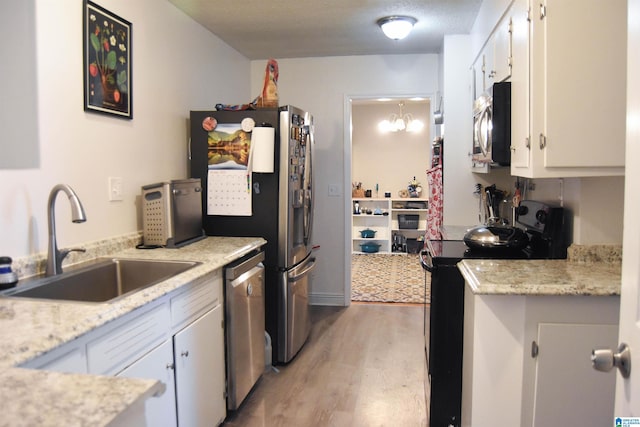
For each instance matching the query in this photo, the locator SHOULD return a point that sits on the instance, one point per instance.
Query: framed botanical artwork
(107, 62)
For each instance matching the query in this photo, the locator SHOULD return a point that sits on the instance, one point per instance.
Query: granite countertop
(31, 328)
(44, 398)
(595, 270)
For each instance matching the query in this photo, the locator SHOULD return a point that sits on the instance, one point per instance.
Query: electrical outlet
(115, 189)
(334, 190)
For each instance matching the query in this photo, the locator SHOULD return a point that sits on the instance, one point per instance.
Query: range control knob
(522, 210)
(541, 216)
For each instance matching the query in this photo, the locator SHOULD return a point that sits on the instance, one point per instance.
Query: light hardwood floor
(362, 366)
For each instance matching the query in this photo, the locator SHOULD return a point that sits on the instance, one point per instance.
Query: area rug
(388, 278)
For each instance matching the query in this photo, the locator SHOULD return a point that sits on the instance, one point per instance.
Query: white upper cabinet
(500, 46)
(577, 86)
(494, 62)
(520, 140)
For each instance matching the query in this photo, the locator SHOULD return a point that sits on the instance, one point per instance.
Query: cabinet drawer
(199, 297)
(125, 344)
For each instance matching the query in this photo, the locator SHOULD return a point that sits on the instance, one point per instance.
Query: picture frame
(107, 62)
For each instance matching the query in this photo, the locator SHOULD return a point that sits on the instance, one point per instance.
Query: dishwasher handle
(247, 276)
(236, 270)
(310, 266)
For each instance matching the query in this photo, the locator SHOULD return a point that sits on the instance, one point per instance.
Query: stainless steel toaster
(172, 213)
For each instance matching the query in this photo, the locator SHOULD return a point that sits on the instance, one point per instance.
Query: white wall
(460, 205)
(177, 66)
(320, 86)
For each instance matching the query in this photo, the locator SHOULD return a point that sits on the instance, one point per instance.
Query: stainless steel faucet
(55, 256)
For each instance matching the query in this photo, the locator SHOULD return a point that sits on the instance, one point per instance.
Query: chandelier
(401, 122)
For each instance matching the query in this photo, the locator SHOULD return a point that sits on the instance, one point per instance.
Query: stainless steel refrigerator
(281, 211)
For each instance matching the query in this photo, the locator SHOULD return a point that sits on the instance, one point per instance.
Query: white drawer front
(117, 349)
(200, 296)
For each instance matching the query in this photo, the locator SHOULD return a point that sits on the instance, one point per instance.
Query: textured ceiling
(261, 29)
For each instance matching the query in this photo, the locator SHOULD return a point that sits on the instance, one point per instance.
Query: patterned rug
(388, 278)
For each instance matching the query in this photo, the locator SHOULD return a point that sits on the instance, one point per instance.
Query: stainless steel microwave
(492, 126)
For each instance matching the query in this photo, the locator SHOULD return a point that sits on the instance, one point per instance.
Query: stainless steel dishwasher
(244, 310)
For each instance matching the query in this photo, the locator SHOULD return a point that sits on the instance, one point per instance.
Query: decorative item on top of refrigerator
(256, 169)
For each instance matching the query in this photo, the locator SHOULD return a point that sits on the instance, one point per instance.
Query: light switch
(115, 189)
(334, 190)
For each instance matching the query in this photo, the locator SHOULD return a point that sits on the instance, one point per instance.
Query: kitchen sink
(102, 281)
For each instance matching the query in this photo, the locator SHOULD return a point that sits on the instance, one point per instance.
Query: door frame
(347, 128)
(627, 398)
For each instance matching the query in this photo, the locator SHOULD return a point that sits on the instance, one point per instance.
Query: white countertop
(30, 328)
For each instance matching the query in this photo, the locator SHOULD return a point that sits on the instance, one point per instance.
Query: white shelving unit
(386, 223)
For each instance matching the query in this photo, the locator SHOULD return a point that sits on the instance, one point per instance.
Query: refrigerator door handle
(310, 266)
(308, 193)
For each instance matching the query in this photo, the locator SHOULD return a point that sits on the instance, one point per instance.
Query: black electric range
(445, 317)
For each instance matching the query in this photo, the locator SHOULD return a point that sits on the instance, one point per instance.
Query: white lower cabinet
(191, 365)
(565, 380)
(178, 340)
(157, 364)
(526, 360)
(200, 381)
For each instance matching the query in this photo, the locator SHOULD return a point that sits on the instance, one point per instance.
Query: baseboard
(327, 299)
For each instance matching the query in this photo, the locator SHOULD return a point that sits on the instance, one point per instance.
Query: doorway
(381, 164)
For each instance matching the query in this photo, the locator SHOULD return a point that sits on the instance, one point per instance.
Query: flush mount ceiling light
(401, 122)
(396, 27)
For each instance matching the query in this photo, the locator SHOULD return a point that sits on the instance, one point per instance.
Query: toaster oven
(172, 213)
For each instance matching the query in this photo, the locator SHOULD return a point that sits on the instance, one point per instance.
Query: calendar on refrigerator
(229, 171)
(229, 192)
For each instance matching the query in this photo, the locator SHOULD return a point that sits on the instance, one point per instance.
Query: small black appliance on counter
(546, 227)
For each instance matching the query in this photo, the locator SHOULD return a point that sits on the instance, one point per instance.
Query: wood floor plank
(361, 366)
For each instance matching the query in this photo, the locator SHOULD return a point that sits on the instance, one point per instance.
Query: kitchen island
(529, 327)
(33, 329)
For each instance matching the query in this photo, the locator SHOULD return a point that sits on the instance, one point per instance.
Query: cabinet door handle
(543, 11)
(170, 366)
(543, 141)
(185, 353)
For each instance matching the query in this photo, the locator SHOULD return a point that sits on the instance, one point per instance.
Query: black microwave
(492, 126)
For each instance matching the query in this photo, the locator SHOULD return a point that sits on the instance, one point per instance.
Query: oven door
(445, 342)
(426, 261)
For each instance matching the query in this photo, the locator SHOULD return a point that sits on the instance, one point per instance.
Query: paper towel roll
(262, 144)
